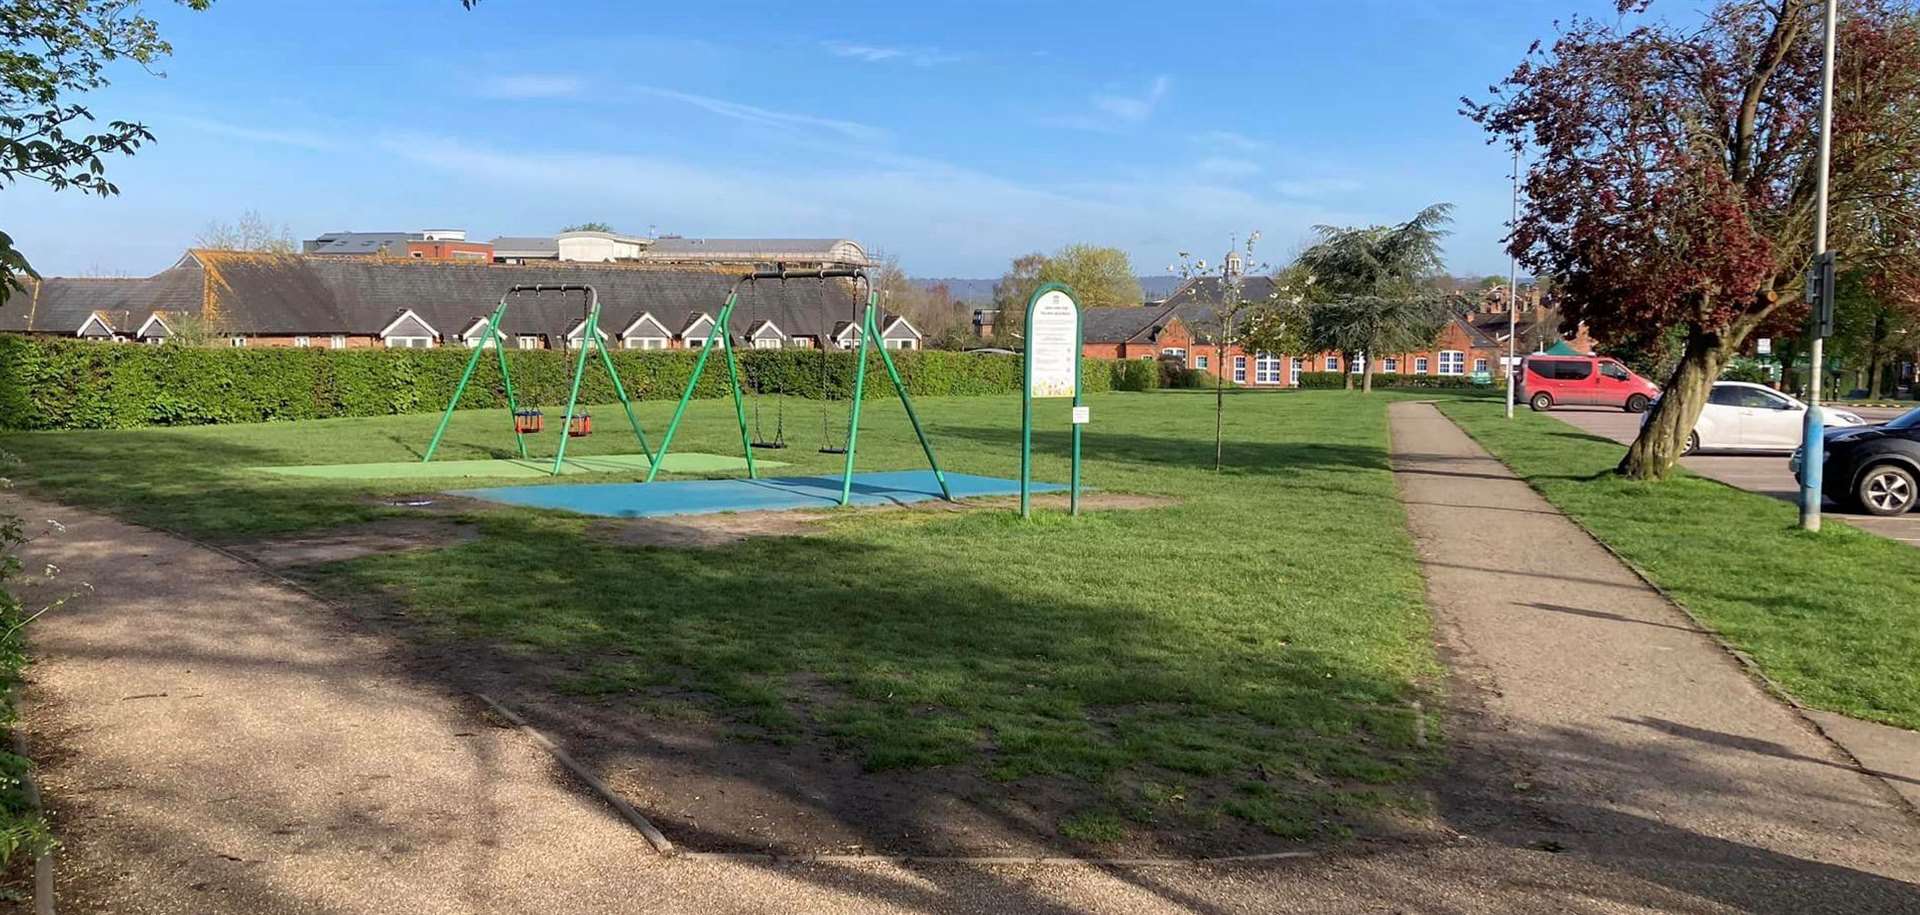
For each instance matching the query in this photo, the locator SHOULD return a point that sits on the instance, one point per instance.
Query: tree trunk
(1366, 373)
(1786, 349)
(1653, 453)
(1877, 356)
(1346, 368)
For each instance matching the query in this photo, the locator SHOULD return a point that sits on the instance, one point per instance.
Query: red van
(1583, 381)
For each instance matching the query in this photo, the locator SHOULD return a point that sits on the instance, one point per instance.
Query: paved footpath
(1634, 738)
(216, 743)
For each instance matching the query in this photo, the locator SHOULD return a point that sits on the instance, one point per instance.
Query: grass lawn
(1833, 617)
(1248, 655)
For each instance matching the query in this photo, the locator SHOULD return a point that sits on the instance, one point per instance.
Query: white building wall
(598, 247)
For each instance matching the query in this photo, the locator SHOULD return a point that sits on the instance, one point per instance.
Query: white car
(1740, 416)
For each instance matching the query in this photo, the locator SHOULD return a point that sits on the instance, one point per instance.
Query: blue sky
(953, 135)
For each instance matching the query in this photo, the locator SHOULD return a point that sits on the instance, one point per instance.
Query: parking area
(1766, 474)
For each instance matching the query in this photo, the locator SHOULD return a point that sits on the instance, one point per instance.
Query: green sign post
(1052, 371)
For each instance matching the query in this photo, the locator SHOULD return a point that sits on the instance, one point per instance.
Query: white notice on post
(1053, 346)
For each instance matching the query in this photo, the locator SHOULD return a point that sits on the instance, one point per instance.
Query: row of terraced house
(352, 290)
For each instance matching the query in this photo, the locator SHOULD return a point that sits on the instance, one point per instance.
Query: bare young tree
(251, 232)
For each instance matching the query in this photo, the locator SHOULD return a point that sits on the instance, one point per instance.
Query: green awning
(1562, 349)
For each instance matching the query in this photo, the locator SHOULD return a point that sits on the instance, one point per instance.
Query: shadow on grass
(970, 636)
(895, 695)
(184, 482)
(1275, 458)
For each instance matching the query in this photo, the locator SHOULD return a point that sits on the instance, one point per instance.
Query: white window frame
(404, 314)
(1240, 369)
(237, 342)
(1359, 365)
(1200, 361)
(337, 341)
(644, 343)
(409, 342)
(901, 343)
(1421, 365)
(1266, 368)
(1330, 363)
(96, 319)
(527, 341)
(766, 343)
(1174, 352)
(303, 341)
(1453, 362)
(1480, 366)
(1390, 365)
(800, 342)
(152, 319)
(1293, 372)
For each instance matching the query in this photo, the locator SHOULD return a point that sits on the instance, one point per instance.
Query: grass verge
(23, 829)
(1250, 652)
(1832, 617)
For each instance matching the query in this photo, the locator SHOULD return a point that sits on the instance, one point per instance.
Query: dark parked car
(1874, 468)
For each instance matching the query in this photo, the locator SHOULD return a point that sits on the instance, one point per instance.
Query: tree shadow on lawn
(197, 484)
(810, 695)
(1546, 847)
(1277, 458)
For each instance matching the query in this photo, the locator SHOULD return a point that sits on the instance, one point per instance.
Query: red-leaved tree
(1674, 169)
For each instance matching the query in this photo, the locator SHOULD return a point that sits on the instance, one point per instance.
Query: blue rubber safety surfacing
(701, 497)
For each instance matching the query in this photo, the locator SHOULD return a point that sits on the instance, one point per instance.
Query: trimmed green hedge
(75, 384)
(1324, 380)
(1124, 374)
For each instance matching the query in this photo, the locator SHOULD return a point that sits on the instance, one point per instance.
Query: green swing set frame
(590, 340)
(722, 334)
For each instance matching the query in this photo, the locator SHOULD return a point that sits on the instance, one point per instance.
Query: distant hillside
(980, 292)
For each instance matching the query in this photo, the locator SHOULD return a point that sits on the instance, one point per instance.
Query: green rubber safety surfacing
(677, 462)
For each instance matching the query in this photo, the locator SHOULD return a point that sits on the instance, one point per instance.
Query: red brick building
(1185, 329)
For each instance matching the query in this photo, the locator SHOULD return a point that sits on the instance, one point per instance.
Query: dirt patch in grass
(354, 541)
(725, 529)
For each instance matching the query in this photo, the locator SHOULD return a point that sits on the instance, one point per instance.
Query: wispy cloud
(518, 86)
(1226, 167)
(299, 138)
(1115, 112)
(876, 54)
(961, 218)
(1315, 187)
(767, 117)
(1230, 140)
(1135, 108)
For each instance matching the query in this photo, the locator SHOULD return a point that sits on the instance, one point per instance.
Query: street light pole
(1813, 437)
(1513, 285)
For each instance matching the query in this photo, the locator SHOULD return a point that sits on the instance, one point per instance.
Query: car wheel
(1541, 402)
(1637, 403)
(1887, 489)
(1692, 445)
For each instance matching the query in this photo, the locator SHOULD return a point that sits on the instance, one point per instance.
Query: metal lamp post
(1513, 289)
(1813, 436)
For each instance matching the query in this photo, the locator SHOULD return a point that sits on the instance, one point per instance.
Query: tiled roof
(526, 246)
(1118, 325)
(1198, 301)
(361, 243)
(252, 293)
(756, 250)
(61, 304)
